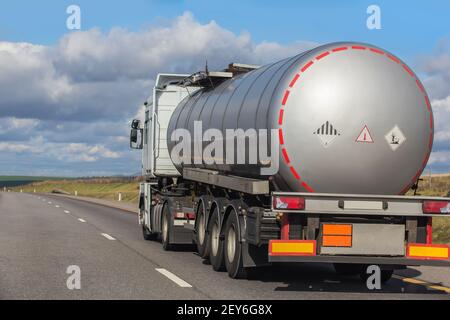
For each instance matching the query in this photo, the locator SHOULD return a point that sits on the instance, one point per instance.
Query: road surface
(42, 235)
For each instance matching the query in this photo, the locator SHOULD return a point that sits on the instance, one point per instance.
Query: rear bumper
(361, 260)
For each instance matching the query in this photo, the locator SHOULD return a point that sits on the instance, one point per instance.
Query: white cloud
(91, 75)
(442, 135)
(14, 147)
(182, 46)
(71, 152)
(436, 66)
(439, 157)
(441, 111)
(73, 102)
(23, 123)
(443, 104)
(12, 123)
(436, 70)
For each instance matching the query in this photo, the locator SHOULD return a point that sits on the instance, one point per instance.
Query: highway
(42, 235)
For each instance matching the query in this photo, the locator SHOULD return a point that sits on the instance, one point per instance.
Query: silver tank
(351, 118)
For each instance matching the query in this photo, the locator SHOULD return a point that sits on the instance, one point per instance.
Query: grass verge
(108, 189)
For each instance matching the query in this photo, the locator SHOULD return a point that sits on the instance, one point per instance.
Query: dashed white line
(174, 278)
(81, 220)
(107, 236)
(66, 211)
(56, 206)
(49, 202)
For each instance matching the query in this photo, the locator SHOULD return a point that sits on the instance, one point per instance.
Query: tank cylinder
(348, 117)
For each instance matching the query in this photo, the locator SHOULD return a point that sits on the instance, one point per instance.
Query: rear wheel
(202, 241)
(233, 248)
(166, 228)
(146, 233)
(215, 243)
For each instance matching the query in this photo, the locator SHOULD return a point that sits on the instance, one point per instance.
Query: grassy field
(102, 188)
(13, 181)
(110, 188)
(436, 186)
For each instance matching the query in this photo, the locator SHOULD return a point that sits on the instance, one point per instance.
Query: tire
(166, 229)
(215, 244)
(385, 276)
(202, 239)
(149, 236)
(349, 269)
(233, 248)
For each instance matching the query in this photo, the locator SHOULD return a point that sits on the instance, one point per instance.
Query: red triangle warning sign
(365, 136)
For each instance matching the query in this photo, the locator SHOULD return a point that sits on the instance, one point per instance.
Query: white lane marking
(174, 278)
(107, 236)
(49, 202)
(66, 211)
(81, 220)
(56, 206)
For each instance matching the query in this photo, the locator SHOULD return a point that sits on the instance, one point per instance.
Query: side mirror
(136, 138)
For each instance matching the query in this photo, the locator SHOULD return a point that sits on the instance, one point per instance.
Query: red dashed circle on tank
(295, 171)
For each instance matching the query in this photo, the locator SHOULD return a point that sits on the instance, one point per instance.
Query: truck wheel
(233, 248)
(349, 269)
(148, 235)
(202, 239)
(215, 244)
(385, 276)
(166, 227)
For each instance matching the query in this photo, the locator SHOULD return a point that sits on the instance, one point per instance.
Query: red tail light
(190, 216)
(436, 207)
(288, 203)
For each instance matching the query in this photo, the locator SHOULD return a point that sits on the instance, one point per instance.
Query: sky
(67, 96)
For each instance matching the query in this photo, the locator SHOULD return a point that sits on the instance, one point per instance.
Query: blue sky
(77, 91)
(409, 27)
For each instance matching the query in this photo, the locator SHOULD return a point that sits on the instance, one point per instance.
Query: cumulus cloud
(435, 69)
(182, 46)
(442, 157)
(72, 102)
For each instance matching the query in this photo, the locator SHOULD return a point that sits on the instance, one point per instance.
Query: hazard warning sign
(365, 136)
(395, 138)
(327, 133)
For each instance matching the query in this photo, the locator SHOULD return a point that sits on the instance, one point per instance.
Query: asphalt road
(42, 235)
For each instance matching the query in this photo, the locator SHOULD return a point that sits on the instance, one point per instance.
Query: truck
(307, 159)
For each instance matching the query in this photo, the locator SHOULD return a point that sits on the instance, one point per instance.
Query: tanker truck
(307, 159)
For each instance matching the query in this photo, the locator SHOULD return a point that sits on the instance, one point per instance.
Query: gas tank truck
(307, 159)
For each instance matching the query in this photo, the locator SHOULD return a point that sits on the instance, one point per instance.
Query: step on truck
(307, 159)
